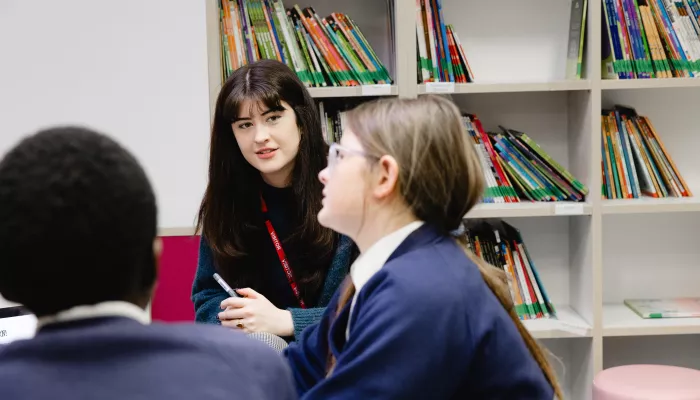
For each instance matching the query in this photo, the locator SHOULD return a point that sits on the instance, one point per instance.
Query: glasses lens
(332, 156)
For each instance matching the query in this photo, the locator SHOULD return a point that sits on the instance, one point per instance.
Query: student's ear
(157, 251)
(386, 177)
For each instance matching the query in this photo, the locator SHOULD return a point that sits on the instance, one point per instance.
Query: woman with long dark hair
(258, 215)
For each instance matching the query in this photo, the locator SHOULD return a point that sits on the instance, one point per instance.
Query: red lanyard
(282, 256)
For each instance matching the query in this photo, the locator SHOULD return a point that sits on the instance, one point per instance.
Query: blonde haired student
(420, 317)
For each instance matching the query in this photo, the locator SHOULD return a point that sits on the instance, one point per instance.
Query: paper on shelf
(440, 87)
(376, 90)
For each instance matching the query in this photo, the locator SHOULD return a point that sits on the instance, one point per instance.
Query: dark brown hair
(230, 208)
(440, 179)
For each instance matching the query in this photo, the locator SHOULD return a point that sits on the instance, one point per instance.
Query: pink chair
(647, 382)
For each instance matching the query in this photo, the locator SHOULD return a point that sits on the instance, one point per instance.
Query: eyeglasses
(337, 152)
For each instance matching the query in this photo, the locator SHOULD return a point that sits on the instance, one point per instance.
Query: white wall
(134, 69)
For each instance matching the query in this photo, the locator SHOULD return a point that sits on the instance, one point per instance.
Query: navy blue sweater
(117, 358)
(425, 326)
(207, 295)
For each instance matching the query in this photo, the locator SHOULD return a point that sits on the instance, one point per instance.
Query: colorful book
(681, 307)
(441, 57)
(517, 169)
(635, 162)
(501, 245)
(650, 39)
(330, 51)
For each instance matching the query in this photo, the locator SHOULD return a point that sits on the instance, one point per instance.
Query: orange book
(634, 133)
(353, 42)
(325, 53)
(516, 283)
(652, 132)
(228, 30)
(329, 49)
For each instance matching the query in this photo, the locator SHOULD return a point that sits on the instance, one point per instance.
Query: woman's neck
(278, 179)
(381, 224)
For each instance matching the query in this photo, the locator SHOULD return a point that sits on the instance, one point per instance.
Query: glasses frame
(335, 150)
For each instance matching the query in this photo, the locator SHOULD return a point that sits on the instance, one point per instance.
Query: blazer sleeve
(307, 356)
(337, 272)
(398, 349)
(207, 295)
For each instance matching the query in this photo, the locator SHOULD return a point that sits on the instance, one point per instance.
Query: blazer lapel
(421, 237)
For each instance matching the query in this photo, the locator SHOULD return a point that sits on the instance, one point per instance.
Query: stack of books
(502, 246)
(330, 51)
(635, 160)
(441, 57)
(651, 39)
(516, 168)
(332, 122)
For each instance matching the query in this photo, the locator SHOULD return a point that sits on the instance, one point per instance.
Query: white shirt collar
(105, 309)
(372, 260)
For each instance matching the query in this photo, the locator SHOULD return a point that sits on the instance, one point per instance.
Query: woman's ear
(386, 177)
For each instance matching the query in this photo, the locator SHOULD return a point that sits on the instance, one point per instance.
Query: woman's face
(268, 139)
(345, 189)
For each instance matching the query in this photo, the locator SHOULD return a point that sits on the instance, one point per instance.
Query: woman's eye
(274, 118)
(245, 125)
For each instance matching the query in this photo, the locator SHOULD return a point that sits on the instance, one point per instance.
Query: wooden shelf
(568, 324)
(354, 91)
(661, 83)
(444, 87)
(529, 209)
(647, 205)
(619, 320)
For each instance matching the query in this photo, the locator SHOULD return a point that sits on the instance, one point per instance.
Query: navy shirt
(117, 358)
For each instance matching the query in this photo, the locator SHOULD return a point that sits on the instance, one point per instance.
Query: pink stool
(647, 382)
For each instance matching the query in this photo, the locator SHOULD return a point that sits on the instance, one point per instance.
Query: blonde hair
(440, 179)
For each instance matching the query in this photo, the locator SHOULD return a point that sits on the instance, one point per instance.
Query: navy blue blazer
(116, 358)
(425, 326)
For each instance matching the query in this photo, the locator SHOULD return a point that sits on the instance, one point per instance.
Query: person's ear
(157, 252)
(386, 177)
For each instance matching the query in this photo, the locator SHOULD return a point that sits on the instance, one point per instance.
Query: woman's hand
(255, 313)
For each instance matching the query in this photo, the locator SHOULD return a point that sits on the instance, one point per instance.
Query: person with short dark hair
(78, 248)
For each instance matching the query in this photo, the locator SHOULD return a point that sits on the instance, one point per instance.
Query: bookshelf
(659, 83)
(463, 88)
(580, 249)
(529, 209)
(618, 320)
(650, 205)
